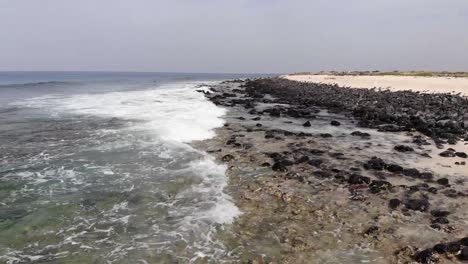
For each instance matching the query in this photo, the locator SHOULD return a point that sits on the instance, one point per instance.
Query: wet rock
(426, 175)
(358, 179)
(258, 125)
(307, 124)
(335, 123)
(420, 141)
(403, 148)
(375, 163)
(326, 135)
(315, 162)
(439, 213)
(274, 112)
(414, 173)
(447, 154)
(394, 203)
(440, 220)
(464, 254)
(443, 181)
(265, 164)
(360, 134)
(426, 256)
(453, 247)
(227, 158)
(440, 248)
(461, 155)
(464, 241)
(231, 142)
(432, 190)
(378, 185)
(302, 159)
(417, 204)
(394, 168)
(256, 118)
(278, 166)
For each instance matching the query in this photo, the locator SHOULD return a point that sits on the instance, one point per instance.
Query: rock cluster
(440, 116)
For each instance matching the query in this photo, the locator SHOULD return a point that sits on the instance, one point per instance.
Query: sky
(233, 36)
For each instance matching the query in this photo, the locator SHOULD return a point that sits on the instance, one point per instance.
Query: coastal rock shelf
(326, 173)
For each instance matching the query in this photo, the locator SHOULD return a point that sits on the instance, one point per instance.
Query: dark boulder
(439, 213)
(302, 159)
(464, 241)
(440, 220)
(335, 123)
(417, 205)
(307, 124)
(360, 134)
(394, 203)
(440, 248)
(375, 163)
(464, 254)
(447, 154)
(358, 179)
(278, 166)
(426, 256)
(461, 155)
(394, 168)
(403, 148)
(315, 162)
(414, 173)
(443, 181)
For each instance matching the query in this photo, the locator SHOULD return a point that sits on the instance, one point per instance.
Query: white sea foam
(174, 112)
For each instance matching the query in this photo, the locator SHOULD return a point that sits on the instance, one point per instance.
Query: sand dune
(395, 83)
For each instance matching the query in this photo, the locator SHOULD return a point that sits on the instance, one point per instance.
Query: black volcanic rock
(358, 179)
(335, 123)
(417, 204)
(395, 110)
(394, 203)
(403, 148)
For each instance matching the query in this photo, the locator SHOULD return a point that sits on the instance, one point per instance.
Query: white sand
(395, 83)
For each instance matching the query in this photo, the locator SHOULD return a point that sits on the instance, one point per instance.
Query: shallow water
(100, 167)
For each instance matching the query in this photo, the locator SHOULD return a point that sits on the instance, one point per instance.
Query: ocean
(97, 167)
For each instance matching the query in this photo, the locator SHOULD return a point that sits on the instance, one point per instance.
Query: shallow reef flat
(326, 174)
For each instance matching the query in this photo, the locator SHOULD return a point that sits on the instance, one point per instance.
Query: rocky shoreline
(325, 174)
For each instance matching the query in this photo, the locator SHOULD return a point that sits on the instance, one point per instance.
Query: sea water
(97, 167)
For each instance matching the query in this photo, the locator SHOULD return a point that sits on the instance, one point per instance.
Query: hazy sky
(233, 35)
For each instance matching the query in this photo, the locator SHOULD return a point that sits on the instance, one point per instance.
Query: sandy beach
(394, 83)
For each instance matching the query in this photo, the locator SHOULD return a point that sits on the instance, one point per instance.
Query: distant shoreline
(405, 81)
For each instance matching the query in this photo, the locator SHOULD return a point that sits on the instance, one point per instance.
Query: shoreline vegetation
(327, 173)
